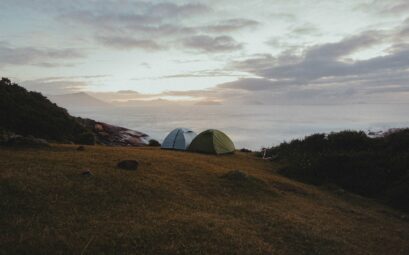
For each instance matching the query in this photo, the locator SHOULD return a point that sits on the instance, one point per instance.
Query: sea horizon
(254, 126)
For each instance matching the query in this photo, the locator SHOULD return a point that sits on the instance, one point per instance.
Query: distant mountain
(208, 102)
(80, 100)
(154, 102)
(164, 102)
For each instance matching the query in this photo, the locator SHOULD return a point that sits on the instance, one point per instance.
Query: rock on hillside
(111, 135)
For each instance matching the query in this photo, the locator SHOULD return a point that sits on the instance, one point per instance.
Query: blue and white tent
(178, 139)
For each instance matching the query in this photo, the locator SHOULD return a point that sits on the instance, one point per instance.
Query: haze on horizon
(224, 52)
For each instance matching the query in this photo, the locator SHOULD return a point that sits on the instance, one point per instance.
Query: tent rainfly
(178, 139)
(212, 141)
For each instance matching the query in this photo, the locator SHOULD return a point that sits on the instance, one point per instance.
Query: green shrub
(349, 141)
(30, 113)
(154, 143)
(85, 138)
(350, 159)
(397, 141)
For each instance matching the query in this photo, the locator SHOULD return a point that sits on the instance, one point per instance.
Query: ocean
(255, 126)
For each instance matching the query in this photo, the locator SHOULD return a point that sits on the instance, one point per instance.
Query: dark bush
(397, 141)
(154, 143)
(86, 138)
(349, 141)
(398, 195)
(316, 142)
(5, 135)
(368, 166)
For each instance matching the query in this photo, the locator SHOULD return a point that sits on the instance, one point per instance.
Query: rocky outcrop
(128, 164)
(111, 135)
(119, 136)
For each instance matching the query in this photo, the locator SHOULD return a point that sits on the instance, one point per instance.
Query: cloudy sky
(224, 51)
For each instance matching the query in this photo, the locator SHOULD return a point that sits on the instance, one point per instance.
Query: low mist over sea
(255, 126)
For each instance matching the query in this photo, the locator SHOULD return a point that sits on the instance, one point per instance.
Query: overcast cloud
(229, 52)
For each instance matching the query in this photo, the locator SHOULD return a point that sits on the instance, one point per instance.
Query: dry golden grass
(176, 203)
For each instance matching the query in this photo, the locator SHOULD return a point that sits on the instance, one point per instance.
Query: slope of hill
(179, 203)
(30, 113)
(80, 100)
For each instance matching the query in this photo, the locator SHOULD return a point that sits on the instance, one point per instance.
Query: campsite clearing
(179, 203)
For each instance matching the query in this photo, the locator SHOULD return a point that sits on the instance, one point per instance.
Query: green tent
(212, 141)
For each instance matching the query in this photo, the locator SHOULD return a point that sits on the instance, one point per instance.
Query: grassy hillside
(30, 113)
(177, 203)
